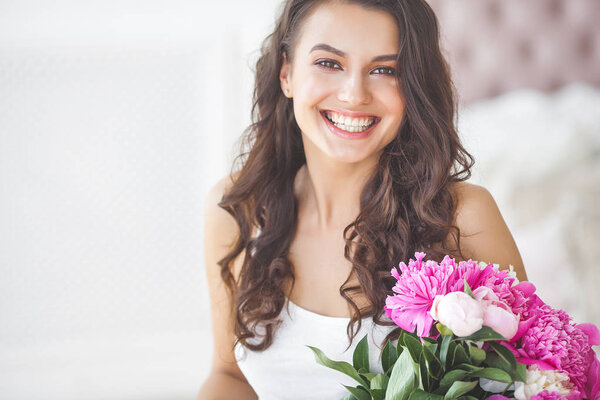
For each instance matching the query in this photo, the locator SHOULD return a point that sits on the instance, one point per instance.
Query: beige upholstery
(495, 46)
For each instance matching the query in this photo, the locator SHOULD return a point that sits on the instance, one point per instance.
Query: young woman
(353, 164)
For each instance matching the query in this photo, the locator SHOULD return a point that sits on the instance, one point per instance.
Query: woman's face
(346, 97)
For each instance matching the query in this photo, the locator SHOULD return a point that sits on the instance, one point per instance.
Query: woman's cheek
(316, 86)
(388, 91)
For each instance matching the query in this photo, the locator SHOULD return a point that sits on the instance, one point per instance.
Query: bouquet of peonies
(471, 331)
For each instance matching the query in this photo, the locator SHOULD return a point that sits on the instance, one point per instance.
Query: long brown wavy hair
(407, 205)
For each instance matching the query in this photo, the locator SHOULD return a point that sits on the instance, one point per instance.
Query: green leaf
(360, 358)
(493, 374)
(484, 334)
(400, 344)
(432, 347)
(450, 378)
(380, 381)
(494, 360)
(444, 350)
(341, 366)
(388, 357)
(468, 398)
(459, 388)
(378, 394)
(401, 337)
(521, 372)
(424, 375)
(459, 356)
(349, 396)
(402, 382)
(429, 340)
(414, 346)
(419, 395)
(422, 395)
(468, 289)
(367, 376)
(359, 392)
(469, 367)
(505, 354)
(477, 354)
(434, 365)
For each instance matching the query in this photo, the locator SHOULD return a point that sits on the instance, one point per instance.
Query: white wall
(115, 118)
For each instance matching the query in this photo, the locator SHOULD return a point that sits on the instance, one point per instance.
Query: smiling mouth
(350, 124)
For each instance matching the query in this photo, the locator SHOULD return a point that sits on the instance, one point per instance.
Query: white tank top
(287, 370)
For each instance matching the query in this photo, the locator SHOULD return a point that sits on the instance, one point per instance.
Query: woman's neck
(329, 192)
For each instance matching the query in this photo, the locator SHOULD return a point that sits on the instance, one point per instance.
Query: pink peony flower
(546, 395)
(552, 342)
(592, 386)
(496, 314)
(459, 312)
(419, 282)
(417, 286)
(473, 273)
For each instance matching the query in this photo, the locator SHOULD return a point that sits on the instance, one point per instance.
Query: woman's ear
(284, 76)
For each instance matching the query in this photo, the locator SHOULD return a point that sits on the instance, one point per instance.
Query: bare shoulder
(216, 193)
(220, 233)
(473, 200)
(220, 226)
(484, 235)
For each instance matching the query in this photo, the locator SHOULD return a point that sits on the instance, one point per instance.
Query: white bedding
(539, 155)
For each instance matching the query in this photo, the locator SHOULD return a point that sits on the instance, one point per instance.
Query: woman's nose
(355, 90)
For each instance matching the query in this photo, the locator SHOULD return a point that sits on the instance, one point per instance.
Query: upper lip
(351, 114)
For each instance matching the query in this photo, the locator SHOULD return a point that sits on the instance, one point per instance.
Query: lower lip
(348, 135)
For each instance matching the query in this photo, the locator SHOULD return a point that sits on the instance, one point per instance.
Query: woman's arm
(226, 381)
(484, 235)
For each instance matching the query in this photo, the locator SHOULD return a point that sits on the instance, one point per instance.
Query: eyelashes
(331, 65)
(328, 64)
(386, 70)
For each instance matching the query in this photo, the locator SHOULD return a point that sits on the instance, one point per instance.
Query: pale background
(115, 119)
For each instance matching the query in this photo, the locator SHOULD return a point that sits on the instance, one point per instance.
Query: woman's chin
(351, 157)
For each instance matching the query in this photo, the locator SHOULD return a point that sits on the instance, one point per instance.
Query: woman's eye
(384, 71)
(328, 64)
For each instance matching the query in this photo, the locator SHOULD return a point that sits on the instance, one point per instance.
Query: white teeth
(339, 119)
(350, 128)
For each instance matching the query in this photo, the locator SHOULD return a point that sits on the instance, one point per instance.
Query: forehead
(351, 28)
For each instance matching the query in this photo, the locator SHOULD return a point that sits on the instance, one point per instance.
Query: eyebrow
(331, 49)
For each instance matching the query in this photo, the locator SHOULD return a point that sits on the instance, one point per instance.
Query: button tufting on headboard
(495, 46)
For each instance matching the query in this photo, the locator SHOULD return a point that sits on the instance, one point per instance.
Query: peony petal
(592, 332)
(542, 364)
(527, 288)
(388, 312)
(393, 302)
(523, 328)
(423, 322)
(502, 321)
(592, 386)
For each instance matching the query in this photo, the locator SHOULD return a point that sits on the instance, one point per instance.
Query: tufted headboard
(495, 46)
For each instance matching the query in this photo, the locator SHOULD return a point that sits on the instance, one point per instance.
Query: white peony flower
(539, 380)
